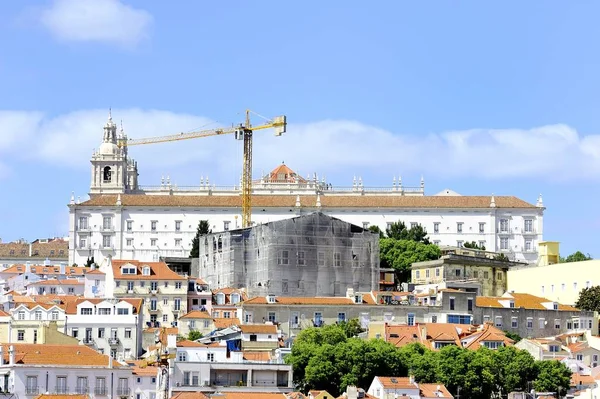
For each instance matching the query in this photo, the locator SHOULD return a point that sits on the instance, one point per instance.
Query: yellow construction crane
(241, 132)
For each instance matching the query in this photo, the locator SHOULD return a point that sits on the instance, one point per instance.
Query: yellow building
(560, 282)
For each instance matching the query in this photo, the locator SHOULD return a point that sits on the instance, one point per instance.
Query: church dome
(108, 149)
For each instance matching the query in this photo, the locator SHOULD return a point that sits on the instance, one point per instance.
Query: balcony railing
(88, 341)
(153, 291)
(32, 390)
(81, 390)
(179, 308)
(61, 390)
(123, 391)
(100, 391)
(528, 231)
(113, 341)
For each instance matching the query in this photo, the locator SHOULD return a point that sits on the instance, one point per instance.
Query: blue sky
(479, 97)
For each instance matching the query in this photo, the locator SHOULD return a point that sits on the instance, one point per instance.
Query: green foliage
(329, 358)
(400, 254)
(399, 231)
(473, 245)
(512, 335)
(203, 229)
(501, 257)
(376, 229)
(552, 376)
(194, 335)
(351, 327)
(575, 257)
(589, 299)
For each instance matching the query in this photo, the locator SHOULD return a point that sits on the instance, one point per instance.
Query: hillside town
(330, 292)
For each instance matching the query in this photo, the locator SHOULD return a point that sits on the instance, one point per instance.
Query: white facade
(131, 222)
(110, 326)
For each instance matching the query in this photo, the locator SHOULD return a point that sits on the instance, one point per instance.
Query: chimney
(27, 267)
(110, 362)
(11, 355)
(63, 268)
(349, 292)
(411, 379)
(1, 355)
(351, 392)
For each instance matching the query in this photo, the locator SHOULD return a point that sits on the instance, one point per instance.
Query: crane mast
(242, 132)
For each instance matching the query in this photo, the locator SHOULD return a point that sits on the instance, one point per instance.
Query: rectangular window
(499, 321)
(451, 303)
(427, 273)
(61, 385)
(514, 323)
(504, 225)
(470, 304)
(528, 225)
(436, 227)
(486, 275)
(106, 241)
(321, 258)
(475, 274)
(437, 271)
(283, 257)
(129, 226)
(337, 259)
(32, 387)
(482, 227)
(83, 223)
(130, 285)
(459, 243)
(341, 317)
(301, 258)
(210, 357)
(410, 319)
(153, 242)
(178, 285)
(271, 317)
(54, 315)
(177, 304)
(284, 286)
(365, 225)
(21, 335)
(153, 225)
(107, 223)
(86, 311)
(178, 225)
(528, 245)
(178, 242)
(38, 315)
(482, 244)
(459, 227)
(542, 323)
(128, 333)
(530, 323)
(101, 332)
(504, 243)
(82, 243)
(82, 385)
(129, 242)
(226, 225)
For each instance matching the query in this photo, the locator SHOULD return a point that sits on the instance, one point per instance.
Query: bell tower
(112, 171)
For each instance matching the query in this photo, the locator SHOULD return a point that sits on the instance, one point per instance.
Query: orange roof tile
(196, 314)
(224, 323)
(400, 335)
(146, 370)
(579, 379)
(521, 300)
(258, 329)
(158, 271)
(48, 270)
(66, 281)
(189, 395)
(397, 382)
(487, 333)
(327, 201)
(58, 355)
(53, 249)
(431, 391)
(257, 356)
(302, 301)
(184, 343)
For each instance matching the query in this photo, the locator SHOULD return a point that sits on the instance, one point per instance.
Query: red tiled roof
(327, 201)
(158, 271)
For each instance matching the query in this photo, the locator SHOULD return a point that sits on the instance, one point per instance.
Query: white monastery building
(128, 221)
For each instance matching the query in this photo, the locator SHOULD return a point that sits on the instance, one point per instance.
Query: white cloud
(110, 21)
(333, 147)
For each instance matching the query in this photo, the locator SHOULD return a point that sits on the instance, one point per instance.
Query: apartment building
(49, 251)
(38, 322)
(572, 346)
(27, 370)
(56, 287)
(111, 326)
(18, 277)
(531, 316)
(462, 268)
(214, 367)
(164, 292)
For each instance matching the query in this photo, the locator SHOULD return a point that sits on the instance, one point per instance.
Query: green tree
(400, 254)
(203, 229)
(552, 376)
(576, 257)
(513, 335)
(376, 229)
(589, 299)
(513, 368)
(194, 335)
(399, 231)
(351, 327)
(473, 245)
(501, 257)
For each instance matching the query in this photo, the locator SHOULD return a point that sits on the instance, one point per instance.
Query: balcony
(154, 308)
(177, 309)
(123, 391)
(113, 341)
(61, 390)
(81, 390)
(100, 391)
(32, 390)
(528, 232)
(153, 291)
(107, 229)
(89, 341)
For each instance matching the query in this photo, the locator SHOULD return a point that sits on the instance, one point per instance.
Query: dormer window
(128, 270)
(358, 298)
(235, 298)
(271, 299)
(146, 270)
(511, 304)
(555, 305)
(220, 298)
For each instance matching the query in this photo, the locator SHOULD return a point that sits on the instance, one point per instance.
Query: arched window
(107, 174)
